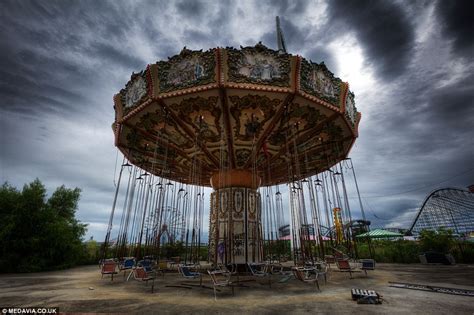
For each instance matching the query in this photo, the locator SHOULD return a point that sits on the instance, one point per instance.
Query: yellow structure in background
(338, 224)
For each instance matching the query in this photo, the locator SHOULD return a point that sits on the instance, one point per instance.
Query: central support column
(235, 229)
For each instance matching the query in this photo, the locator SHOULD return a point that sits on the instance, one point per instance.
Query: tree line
(39, 233)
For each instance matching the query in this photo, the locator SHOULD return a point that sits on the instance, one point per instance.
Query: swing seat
(187, 273)
(109, 268)
(127, 264)
(260, 273)
(140, 274)
(367, 264)
(344, 266)
(306, 275)
(146, 264)
(220, 278)
(150, 267)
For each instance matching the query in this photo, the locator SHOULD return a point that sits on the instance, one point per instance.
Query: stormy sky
(409, 63)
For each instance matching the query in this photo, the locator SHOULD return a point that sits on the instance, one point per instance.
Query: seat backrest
(368, 264)
(140, 273)
(163, 265)
(108, 266)
(146, 264)
(185, 271)
(128, 263)
(343, 264)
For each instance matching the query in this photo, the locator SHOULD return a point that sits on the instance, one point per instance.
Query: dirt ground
(81, 290)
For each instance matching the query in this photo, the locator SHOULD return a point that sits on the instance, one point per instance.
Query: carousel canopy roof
(251, 108)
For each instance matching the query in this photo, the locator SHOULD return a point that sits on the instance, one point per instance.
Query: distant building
(284, 230)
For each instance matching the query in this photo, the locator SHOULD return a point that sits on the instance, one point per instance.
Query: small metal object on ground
(358, 293)
(431, 288)
(365, 296)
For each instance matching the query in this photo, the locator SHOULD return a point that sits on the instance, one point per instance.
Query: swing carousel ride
(245, 122)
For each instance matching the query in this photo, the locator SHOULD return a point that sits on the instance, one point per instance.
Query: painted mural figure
(135, 92)
(198, 71)
(267, 71)
(221, 251)
(275, 73)
(186, 71)
(256, 70)
(259, 68)
(328, 88)
(314, 81)
(350, 107)
(321, 83)
(245, 68)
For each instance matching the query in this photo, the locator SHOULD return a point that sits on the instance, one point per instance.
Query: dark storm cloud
(191, 9)
(55, 49)
(29, 75)
(392, 209)
(299, 38)
(385, 32)
(28, 84)
(197, 38)
(294, 35)
(457, 21)
(450, 109)
(214, 26)
(115, 56)
(287, 7)
(434, 119)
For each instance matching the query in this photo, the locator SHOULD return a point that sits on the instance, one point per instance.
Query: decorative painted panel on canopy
(188, 69)
(317, 80)
(135, 91)
(258, 65)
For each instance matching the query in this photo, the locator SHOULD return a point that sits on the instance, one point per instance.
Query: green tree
(440, 241)
(92, 252)
(38, 233)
